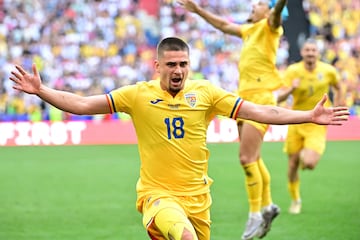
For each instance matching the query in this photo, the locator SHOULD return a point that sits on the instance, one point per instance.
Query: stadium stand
(94, 46)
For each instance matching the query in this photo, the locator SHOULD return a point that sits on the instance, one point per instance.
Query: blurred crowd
(93, 46)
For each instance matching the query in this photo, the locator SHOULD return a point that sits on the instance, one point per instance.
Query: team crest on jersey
(191, 99)
(320, 76)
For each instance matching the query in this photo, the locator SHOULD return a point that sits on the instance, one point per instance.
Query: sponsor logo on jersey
(156, 101)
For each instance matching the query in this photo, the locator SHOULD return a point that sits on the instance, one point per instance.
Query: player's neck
(310, 66)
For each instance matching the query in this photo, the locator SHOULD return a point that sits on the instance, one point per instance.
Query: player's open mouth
(176, 81)
(310, 58)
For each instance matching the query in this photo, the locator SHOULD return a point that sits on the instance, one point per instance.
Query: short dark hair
(171, 44)
(310, 41)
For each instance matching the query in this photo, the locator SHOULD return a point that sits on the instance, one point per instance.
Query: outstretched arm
(275, 15)
(66, 101)
(216, 21)
(280, 116)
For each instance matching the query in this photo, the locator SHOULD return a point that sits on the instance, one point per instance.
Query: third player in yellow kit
(307, 81)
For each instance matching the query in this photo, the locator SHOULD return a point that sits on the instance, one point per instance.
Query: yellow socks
(254, 185)
(294, 190)
(266, 192)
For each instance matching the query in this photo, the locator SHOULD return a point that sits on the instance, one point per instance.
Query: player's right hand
(188, 5)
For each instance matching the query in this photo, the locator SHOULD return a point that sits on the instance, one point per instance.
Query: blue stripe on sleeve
(112, 102)
(235, 107)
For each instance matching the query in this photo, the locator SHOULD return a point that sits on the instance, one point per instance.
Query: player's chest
(314, 78)
(311, 83)
(186, 105)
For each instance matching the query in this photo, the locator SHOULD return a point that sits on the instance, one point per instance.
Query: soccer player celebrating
(307, 81)
(258, 79)
(171, 115)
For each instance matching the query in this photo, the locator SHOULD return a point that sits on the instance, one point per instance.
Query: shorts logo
(191, 99)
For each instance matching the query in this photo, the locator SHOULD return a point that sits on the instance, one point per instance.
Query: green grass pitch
(88, 192)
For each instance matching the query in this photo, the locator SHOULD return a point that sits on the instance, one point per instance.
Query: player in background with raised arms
(307, 81)
(259, 78)
(171, 115)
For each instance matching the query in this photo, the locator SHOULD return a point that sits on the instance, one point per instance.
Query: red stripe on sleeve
(109, 102)
(237, 110)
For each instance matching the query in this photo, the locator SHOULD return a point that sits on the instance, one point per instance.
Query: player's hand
(26, 82)
(329, 116)
(295, 83)
(188, 5)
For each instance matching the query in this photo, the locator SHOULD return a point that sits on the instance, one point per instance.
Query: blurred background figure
(307, 81)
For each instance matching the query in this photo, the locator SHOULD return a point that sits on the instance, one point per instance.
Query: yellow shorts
(263, 98)
(191, 211)
(307, 135)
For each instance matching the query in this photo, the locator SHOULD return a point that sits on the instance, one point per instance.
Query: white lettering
(6, 132)
(228, 130)
(211, 135)
(76, 128)
(58, 133)
(225, 130)
(222, 130)
(40, 133)
(23, 129)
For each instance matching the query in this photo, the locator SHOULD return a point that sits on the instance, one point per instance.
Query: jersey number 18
(175, 127)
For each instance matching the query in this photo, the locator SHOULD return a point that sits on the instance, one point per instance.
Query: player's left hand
(26, 82)
(329, 116)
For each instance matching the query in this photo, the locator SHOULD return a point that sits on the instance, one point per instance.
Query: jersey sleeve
(244, 29)
(225, 103)
(122, 99)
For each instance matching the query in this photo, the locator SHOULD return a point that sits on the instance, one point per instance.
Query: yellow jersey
(313, 85)
(257, 65)
(171, 132)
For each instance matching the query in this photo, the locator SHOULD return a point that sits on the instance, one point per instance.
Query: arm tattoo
(276, 112)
